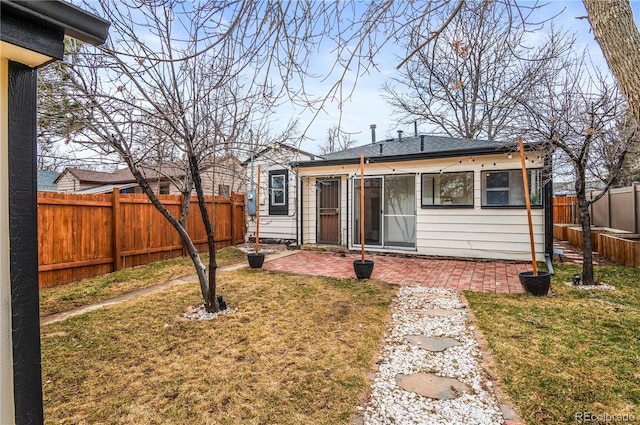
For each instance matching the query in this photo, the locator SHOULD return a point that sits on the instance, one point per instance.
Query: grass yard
(89, 291)
(578, 351)
(297, 351)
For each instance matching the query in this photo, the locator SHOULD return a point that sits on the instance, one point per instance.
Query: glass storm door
(372, 211)
(400, 211)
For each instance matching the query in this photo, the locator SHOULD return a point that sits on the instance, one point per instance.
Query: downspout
(297, 210)
(346, 242)
(301, 211)
(547, 201)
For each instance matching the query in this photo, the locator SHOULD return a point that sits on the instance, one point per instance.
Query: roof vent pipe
(380, 148)
(422, 143)
(399, 135)
(373, 133)
(415, 128)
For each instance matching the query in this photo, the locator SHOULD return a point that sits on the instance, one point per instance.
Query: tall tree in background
(336, 141)
(468, 84)
(583, 117)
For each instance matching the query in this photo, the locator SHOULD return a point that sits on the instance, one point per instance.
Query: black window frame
(279, 209)
(422, 189)
(517, 171)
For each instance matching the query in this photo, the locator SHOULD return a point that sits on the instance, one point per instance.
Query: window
(278, 196)
(447, 189)
(164, 189)
(224, 190)
(505, 188)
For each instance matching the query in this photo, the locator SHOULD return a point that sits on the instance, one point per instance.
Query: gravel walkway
(431, 312)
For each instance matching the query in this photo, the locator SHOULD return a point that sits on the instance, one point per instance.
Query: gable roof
(279, 145)
(118, 176)
(417, 147)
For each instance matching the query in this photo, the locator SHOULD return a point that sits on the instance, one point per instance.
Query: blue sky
(368, 107)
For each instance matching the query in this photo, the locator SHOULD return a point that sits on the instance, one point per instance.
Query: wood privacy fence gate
(82, 236)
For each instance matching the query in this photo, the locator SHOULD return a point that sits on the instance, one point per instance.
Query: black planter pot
(536, 285)
(255, 260)
(363, 269)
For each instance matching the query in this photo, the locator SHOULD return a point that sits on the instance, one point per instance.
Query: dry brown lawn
(92, 290)
(296, 351)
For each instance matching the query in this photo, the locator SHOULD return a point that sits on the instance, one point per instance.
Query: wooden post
(117, 230)
(362, 205)
(525, 180)
(258, 212)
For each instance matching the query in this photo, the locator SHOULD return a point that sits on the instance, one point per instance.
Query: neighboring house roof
(118, 176)
(417, 147)
(271, 147)
(46, 181)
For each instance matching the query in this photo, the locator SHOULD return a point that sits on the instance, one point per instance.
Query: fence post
(634, 197)
(609, 208)
(232, 211)
(117, 230)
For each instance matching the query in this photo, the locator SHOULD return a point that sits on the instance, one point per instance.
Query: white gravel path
(389, 404)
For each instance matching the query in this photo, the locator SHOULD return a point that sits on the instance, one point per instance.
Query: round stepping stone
(432, 343)
(432, 386)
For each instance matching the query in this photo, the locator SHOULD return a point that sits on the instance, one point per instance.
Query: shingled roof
(417, 147)
(119, 176)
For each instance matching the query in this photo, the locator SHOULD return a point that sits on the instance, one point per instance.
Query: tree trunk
(211, 300)
(585, 221)
(619, 38)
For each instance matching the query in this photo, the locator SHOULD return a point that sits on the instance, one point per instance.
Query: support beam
(23, 240)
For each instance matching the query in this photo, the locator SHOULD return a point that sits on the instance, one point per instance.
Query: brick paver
(485, 276)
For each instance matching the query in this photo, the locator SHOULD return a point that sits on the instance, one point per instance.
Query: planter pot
(536, 285)
(255, 260)
(363, 269)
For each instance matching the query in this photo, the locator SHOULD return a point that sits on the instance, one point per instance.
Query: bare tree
(337, 140)
(582, 116)
(178, 85)
(468, 83)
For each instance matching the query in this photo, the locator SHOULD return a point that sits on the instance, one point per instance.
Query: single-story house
(278, 191)
(429, 195)
(225, 177)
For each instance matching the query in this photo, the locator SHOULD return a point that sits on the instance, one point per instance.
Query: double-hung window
(447, 189)
(505, 188)
(278, 192)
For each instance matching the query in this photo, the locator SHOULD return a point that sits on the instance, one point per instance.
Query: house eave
(417, 156)
(75, 22)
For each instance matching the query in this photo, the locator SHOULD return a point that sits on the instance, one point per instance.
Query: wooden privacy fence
(82, 236)
(565, 209)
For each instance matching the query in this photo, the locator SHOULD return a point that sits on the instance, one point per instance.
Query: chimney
(415, 128)
(399, 135)
(373, 133)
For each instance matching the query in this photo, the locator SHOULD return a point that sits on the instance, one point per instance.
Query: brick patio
(485, 276)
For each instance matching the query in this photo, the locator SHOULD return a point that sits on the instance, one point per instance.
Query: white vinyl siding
(472, 232)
